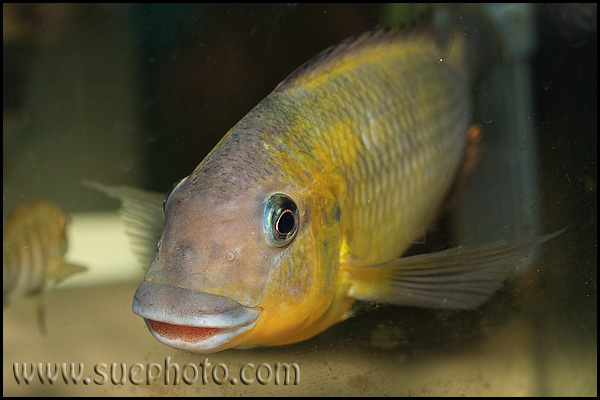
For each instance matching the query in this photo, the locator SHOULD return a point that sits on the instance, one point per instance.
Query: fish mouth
(188, 320)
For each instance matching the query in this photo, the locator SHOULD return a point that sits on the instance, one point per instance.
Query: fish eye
(164, 206)
(281, 219)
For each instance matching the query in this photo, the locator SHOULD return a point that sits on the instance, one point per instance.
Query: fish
(33, 247)
(308, 204)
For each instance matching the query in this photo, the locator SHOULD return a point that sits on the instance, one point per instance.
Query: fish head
(247, 269)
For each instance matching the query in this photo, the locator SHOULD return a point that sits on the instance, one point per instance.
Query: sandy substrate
(95, 325)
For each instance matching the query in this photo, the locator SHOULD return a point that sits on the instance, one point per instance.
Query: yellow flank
(390, 120)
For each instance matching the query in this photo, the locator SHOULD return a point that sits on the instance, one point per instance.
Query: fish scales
(384, 115)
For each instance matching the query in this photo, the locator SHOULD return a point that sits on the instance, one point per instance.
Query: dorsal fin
(352, 45)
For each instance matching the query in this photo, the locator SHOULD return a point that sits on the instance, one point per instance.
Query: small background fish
(34, 243)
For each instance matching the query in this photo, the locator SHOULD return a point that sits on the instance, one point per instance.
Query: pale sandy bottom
(96, 325)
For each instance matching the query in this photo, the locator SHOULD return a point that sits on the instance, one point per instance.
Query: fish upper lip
(180, 306)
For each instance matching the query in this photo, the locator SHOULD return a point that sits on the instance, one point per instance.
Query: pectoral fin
(142, 214)
(36, 302)
(457, 278)
(41, 314)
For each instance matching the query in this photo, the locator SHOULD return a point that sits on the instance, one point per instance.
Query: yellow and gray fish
(33, 246)
(308, 203)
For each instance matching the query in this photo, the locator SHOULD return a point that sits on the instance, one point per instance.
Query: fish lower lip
(190, 334)
(196, 321)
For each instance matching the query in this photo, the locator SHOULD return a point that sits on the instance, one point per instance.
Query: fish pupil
(285, 223)
(281, 219)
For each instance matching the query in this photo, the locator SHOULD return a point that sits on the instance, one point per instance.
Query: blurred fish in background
(34, 243)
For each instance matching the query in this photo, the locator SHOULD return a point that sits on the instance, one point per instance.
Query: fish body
(33, 246)
(308, 203)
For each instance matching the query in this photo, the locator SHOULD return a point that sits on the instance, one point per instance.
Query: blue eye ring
(282, 219)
